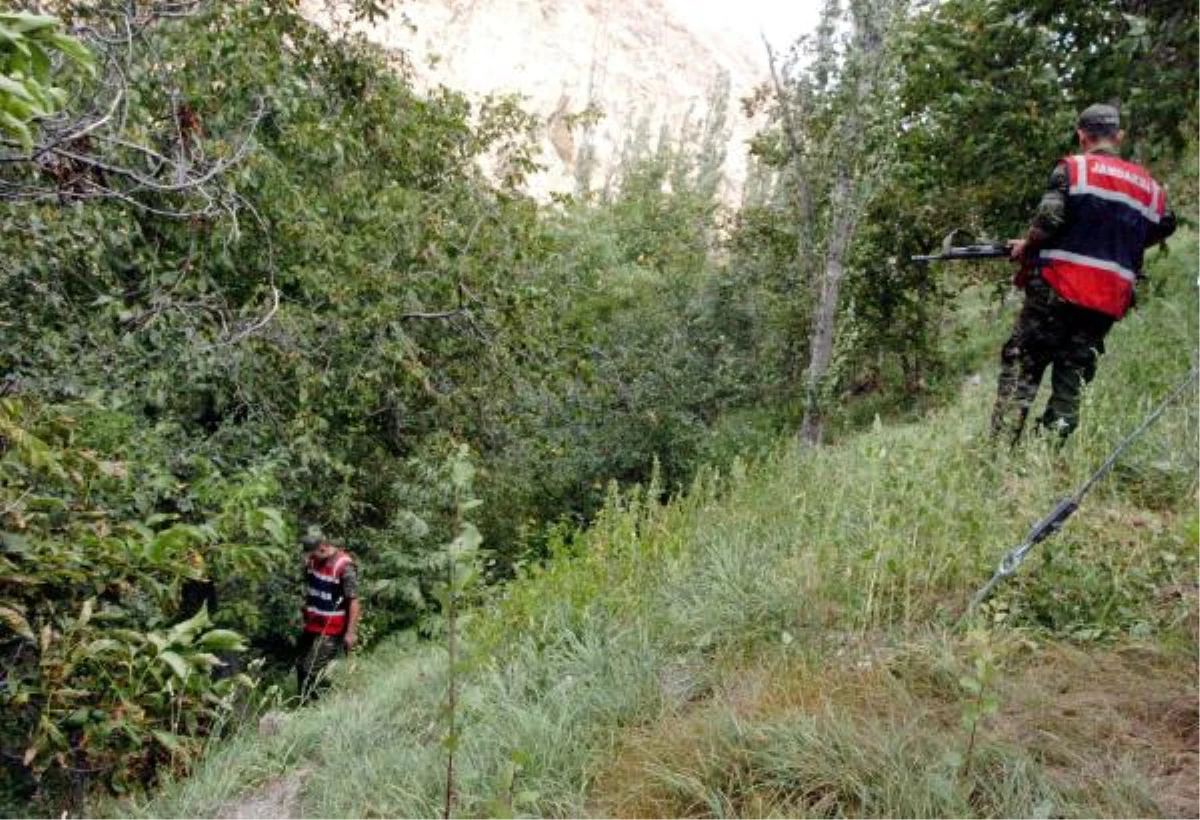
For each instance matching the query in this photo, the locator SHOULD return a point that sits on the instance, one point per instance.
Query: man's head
(1099, 123)
(317, 545)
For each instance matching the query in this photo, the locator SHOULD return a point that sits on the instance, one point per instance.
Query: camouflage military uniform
(1050, 331)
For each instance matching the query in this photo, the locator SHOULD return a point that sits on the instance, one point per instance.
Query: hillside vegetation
(781, 639)
(254, 284)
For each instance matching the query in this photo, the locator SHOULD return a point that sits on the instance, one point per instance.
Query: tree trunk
(844, 222)
(846, 204)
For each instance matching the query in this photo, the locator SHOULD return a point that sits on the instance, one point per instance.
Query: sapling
(983, 703)
(462, 576)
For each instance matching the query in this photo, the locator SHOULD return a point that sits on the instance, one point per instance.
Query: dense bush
(106, 674)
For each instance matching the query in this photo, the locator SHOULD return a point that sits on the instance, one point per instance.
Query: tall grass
(780, 640)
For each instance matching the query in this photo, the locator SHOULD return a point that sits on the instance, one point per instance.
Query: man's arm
(350, 591)
(1160, 230)
(351, 625)
(1049, 218)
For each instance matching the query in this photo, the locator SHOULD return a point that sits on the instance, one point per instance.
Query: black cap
(310, 542)
(1099, 117)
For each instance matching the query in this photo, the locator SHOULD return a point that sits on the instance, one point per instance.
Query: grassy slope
(780, 641)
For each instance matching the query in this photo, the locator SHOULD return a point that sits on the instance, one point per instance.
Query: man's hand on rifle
(1020, 251)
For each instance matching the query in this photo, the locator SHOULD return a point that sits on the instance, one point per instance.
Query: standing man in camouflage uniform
(1085, 246)
(331, 612)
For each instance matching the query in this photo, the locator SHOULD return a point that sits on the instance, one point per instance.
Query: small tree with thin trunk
(831, 101)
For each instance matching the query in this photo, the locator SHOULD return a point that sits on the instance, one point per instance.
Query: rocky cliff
(642, 64)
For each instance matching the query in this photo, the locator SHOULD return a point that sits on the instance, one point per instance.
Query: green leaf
(103, 645)
(73, 49)
(178, 538)
(18, 90)
(177, 664)
(205, 661)
(990, 704)
(39, 61)
(273, 525)
(468, 541)
(132, 637)
(221, 640)
(25, 23)
(185, 631)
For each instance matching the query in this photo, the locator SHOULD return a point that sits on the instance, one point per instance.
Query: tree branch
(445, 314)
(804, 197)
(91, 157)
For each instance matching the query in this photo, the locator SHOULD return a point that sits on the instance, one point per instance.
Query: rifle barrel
(996, 251)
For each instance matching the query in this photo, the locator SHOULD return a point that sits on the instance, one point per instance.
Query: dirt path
(277, 798)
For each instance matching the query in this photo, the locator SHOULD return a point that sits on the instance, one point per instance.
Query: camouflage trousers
(314, 654)
(1049, 332)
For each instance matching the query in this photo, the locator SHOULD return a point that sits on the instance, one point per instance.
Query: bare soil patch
(277, 798)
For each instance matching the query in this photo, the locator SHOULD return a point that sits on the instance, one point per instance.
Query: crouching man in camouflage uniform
(1085, 245)
(331, 612)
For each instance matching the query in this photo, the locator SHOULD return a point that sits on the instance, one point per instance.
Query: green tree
(830, 111)
(29, 46)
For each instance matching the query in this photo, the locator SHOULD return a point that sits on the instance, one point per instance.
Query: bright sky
(781, 20)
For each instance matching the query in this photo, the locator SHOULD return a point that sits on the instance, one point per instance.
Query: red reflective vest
(1111, 206)
(325, 606)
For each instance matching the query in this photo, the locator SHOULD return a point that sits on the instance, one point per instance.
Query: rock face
(640, 63)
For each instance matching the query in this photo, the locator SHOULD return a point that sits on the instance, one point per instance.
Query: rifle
(994, 250)
(991, 251)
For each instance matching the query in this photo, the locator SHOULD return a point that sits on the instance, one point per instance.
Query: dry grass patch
(875, 731)
(722, 756)
(1089, 714)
